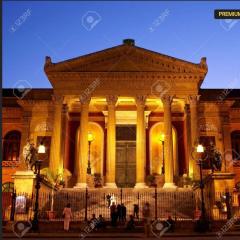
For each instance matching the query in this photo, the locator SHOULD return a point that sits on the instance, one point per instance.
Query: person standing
(124, 213)
(113, 213)
(119, 212)
(67, 214)
(108, 200)
(136, 211)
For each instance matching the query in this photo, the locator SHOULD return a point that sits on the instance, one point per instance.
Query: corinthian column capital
(111, 99)
(140, 100)
(193, 99)
(84, 99)
(167, 99)
(57, 99)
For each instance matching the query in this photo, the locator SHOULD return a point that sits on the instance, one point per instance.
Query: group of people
(118, 213)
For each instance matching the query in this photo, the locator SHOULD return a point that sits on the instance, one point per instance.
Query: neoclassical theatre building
(145, 112)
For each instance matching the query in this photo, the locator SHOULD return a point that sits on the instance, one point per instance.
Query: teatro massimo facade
(145, 112)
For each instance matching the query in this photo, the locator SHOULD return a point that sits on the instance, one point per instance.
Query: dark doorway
(126, 156)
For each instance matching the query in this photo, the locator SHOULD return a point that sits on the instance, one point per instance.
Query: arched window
(11, 146)
(235, 138)
(8, 187)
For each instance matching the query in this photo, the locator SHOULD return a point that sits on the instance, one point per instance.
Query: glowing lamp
(200, 148)
(162, 137)
(90, 137)
(41, 148)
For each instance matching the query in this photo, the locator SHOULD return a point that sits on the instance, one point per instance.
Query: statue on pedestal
(30, 155)
(215, 158)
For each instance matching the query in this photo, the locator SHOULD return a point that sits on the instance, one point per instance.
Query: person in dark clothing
(113, 213)
(119, 212)
(100, 222)
(130, 224)
(136, 211)
(123, 213)
(108, 200)
(170, 224)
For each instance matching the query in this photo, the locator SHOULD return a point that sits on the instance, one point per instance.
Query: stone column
(168, 142)
(83, 145)
(56, 163)
(227, 165)
(111, 143)
(141, 143)
(193, 167)
(187, 124)
(64, 135)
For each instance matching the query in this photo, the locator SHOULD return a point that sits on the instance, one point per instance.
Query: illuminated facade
(127, 97)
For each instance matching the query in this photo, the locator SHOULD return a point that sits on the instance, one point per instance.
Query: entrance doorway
(126, 156)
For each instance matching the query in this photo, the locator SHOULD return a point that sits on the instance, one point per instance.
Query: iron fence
(180, 204)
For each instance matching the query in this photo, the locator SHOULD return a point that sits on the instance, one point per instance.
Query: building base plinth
(110, 185)
(141, 185)
(169, 186)
(80, 185)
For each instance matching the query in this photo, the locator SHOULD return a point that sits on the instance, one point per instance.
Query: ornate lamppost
(203, 221)
(161, 139)
(90, 139)
(41, 149)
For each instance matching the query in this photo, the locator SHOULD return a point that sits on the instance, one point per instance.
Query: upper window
(235, 138)
(11, 146)
(8, 187)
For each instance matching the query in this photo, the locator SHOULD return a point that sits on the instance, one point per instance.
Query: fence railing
(180, 205)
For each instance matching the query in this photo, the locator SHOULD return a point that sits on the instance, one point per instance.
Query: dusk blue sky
(55, 29)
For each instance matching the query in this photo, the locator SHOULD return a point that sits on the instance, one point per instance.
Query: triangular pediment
(125, 58)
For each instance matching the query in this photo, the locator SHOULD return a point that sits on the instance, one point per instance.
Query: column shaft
(141, 143)
(83, 146)
(193, 167)
(168, 144)
(111, 143)
(56, 163)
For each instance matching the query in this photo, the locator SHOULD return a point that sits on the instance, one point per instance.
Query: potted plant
(97, 180)
(151, 180)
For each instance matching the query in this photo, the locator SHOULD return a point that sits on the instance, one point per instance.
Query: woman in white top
(67, 213)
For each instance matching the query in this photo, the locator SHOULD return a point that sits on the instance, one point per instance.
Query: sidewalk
(112, 235)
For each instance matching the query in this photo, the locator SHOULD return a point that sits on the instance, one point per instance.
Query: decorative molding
(10, 163)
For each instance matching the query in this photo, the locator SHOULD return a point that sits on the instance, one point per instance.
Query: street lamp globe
(41, 148)
(90, 137)
(200, 148)
(161, 137)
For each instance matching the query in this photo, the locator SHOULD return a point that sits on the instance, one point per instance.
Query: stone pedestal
(24, 181)
(219, 182)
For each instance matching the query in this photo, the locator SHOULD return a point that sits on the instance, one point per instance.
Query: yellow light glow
(161, 137)
(41, 148)
(90, 137)
(200, 148)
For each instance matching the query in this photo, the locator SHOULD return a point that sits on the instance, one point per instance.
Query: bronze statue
(215, 158)
(30, 155)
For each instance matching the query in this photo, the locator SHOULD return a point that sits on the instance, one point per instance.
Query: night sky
(63, 30)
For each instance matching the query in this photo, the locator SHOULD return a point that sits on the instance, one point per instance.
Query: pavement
(102, 235)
